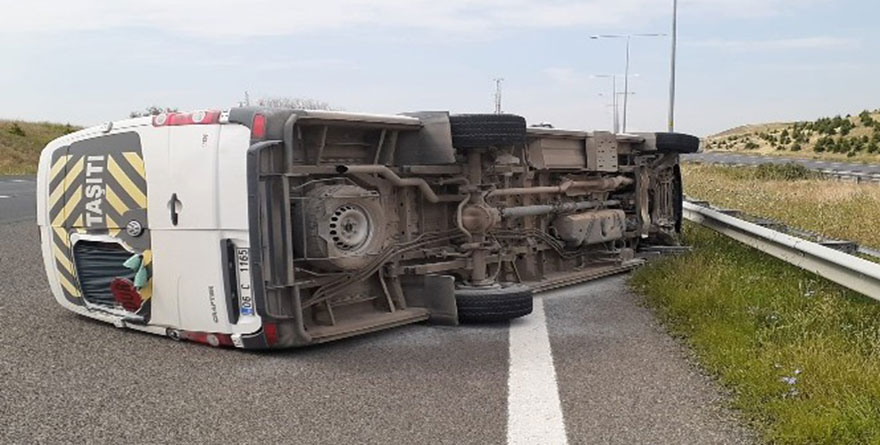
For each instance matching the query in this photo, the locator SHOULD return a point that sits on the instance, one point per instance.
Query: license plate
(245, 297)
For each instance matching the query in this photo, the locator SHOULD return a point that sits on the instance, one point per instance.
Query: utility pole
(672, 66)
(498, 81)
(247, 99)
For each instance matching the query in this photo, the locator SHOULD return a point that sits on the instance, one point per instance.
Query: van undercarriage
(368, 222)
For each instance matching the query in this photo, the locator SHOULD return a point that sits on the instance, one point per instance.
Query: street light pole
(614, 107)
(628, 38)
(672, 67)
(626, 83)
(616, 120)
(614, 101)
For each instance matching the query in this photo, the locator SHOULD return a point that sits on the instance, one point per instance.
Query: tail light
(258, 129)
(271, 333)
(202, 117)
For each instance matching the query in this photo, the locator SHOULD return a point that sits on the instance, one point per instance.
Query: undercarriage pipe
(546, 209)
(389, 174)
(597, 184)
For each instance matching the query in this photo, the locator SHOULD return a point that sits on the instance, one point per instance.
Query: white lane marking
(534, 412)
(5, 196)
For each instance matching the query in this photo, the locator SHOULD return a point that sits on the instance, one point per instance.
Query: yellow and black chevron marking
(96, 189)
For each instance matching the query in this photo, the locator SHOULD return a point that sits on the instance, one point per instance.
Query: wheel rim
(350, 227)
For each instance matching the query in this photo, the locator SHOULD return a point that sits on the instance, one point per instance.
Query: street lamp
(628, 37)
(614, 95)
(614, 108)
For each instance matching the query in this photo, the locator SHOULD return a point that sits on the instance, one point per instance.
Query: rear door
(97, 186)
(187, 231)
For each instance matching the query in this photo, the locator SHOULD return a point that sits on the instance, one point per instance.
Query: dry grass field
(21, 143)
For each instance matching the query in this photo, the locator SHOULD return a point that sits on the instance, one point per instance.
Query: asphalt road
(745, 159)
(17, 198)
(619, 378)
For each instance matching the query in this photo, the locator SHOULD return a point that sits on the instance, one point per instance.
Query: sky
(739, 61)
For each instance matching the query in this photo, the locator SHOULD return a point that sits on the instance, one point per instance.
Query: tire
(493, 304)
(677, 143)
(324, 242)
(485, 130)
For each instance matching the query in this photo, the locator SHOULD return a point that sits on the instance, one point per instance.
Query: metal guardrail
(853, 176)
(846, 270)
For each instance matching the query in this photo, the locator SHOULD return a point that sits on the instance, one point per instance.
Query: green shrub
(790, 171)
(16, 130)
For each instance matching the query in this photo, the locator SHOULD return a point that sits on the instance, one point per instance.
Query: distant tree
(825, 143)
(784, 133)
(152, 111)
(751, 145)
(296, 103)
(873, 147)
(856, 145)
(795, 147)
(866, 118)
(16, 129)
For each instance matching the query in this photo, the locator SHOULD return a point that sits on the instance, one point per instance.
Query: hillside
(21, 143)
(851, 137)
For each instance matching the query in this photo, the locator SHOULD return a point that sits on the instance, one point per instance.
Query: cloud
(801, 43)
(562, 75)
(234, 18)
(747, 8)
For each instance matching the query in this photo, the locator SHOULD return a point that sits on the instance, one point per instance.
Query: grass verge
(800, 355)
(22, 142)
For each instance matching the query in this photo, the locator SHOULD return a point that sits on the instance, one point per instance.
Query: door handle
(174, 206)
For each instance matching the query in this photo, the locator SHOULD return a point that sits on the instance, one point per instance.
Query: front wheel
(677, 143)
(501, 302)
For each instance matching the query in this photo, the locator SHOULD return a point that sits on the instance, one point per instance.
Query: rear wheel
(502, 302)
(485, 130)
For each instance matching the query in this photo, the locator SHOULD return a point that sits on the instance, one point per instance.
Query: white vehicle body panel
(204, 166)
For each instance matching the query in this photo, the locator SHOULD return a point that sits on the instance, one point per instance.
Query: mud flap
(436, 293)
